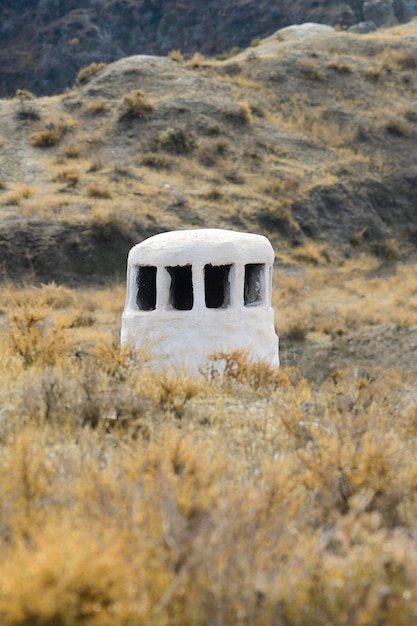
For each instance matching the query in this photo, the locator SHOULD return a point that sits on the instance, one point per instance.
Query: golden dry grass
(250, 497)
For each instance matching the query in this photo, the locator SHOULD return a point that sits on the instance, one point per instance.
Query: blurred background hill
(44, 43)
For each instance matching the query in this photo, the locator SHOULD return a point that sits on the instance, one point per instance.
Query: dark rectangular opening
(217, 286)
(146, 287)
(181, 294)
(254, 290)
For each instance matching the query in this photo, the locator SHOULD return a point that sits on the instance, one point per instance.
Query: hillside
(307, 137)
(44, 43)
(303, 138)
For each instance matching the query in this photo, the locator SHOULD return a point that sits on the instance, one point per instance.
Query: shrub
(176, 140)
(20, 193)
(158, 161)
(47, 137)
(210, 152)
(214, 195)
(341, 66)
(257, 110)
(135, 105)
(91, 70)
(223, 56)
(176, 55)
(97, 107)
(397, 125)
(35, 338)
(196, 60)
(310, 68)
(308, 252)
(72, 151)
(387, 250)
(26, 111)
(69, 176)
(236, 367)
(94, 191)
(245, 113)
(373, 73)
(240, 114)
(297, 331)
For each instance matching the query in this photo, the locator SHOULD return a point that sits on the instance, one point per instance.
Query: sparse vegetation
(327, 482)
(26, 108)
(97, 106)
(86, 73)
(175, 55)
(159, 161)
(98, 191)
(47, 137)
(176, 140)
(197, 60)
(248, 495)
(135, 105)
(52, 133)
(311, 69)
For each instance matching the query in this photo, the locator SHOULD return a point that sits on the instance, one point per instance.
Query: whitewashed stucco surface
(186, 338)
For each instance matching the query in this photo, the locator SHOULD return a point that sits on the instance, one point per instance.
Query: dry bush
(47, 137)
(211, 151)
(309, 252)
(395, 124)
(176, 55)
(341, 66)
(101, 192)
(236, 367)
(214, 194)
(158, 161)
(244, 496)
(387, 250)
(176, 140)
(197, 60)
(134, 106)
(241, 114)
(26, 108)
(72, 151)
(70, 176)
(97, 106)
(36, 337)
(91, 70)
(311, 69)
(20, 193)
(52, 133)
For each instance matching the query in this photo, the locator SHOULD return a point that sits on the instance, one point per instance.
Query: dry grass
(135, 105)
(329, 302)
(86, 73)
(133, 497)
(254, 496)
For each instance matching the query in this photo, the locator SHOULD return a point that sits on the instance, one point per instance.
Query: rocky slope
(44, 43)
(306, 136)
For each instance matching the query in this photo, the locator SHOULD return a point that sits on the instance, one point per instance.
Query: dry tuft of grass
(52, 133)
(98, 106)
(135, 106)
(101, 192)
(176, 55)
(311, 69)
(197, 60)
(86, 73)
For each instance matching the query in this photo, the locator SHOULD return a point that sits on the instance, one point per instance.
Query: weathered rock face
(44, 43)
